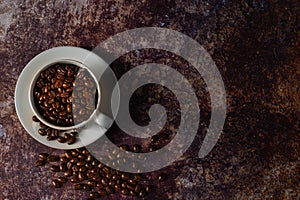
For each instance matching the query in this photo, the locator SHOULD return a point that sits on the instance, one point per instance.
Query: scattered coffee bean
(86, 187)
(55, 168)
(43, 156)
(53, 158)
(92, 183)
(86, 172)
(137, 188)
(40, 163)
(125, 191)
(148, 189)
(62, 179)
(142, 193)
(56, 183)
(78, 186)
(102, 192)
(94, 195)
(162, 177)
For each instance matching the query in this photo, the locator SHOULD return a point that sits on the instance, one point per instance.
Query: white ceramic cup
(96, 115)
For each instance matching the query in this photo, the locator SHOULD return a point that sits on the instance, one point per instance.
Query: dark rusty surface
(255, 45)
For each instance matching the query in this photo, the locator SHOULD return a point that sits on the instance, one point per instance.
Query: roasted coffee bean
(40, 163)
(42, 132)
(78, 186)
(124, 176)
(67, 136)
(74, 160)
(102, 192)
(55, 168)
(104, 181)
(56, 183)
(70, 165)
(75, 168)
(130, 187)
(124, 185)
(61, 139)
(142, 193)
(53, 158)
(132, 182)
(82, 176)
(35, 119)
(74, 153)
(85, 152)
(117, 187)
(68, 155)
(43, 126)
(137, 188)
(108, 176)
(82, 169)
(62, 179)
(112, 183)
(106, 170)
(137, 177)
(95, 162)
(125, 191)
(89, 158)
(86, 187)
(115, 177)
(72, 140)
(81, 157)
(137, 148)
(94, 195)
(81, 163)
(43, 156)
(92, 183)
(68, 173)
(63, 167)
(75, 179)
(50, 138)
(63, 159)
(88, 166)
(73, 133)
(162, 177)
(124, 147)
(148, 188)
(109, 190)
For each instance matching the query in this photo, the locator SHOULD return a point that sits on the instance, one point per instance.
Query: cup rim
(32, 102)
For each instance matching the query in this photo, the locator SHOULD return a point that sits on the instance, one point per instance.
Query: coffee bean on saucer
(61, 139)
(42, 132)
(35, 119)
(71, 140)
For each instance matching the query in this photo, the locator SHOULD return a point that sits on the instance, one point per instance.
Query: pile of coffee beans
(54, 134)
(85, 172)
(65, 94)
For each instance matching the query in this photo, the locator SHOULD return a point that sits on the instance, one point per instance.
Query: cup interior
(62, 100)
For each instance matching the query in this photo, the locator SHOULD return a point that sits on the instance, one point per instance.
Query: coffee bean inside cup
(65, 94)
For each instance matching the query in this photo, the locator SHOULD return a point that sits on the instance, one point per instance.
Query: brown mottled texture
(255, 45)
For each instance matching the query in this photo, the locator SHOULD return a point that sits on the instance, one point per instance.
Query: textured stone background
(255, 45)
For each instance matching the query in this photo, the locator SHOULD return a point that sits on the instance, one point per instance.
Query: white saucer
(89, 59)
